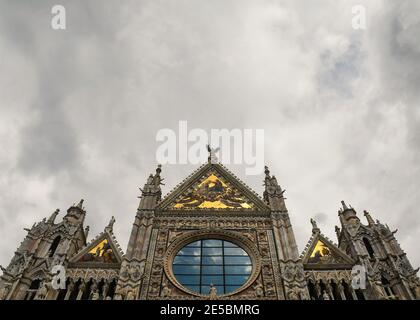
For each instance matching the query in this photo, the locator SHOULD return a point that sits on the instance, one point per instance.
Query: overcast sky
(80, 108)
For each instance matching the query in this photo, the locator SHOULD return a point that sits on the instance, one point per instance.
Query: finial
(87, 231)
(314, 226)
(337, 231)
(53, 216)
(369, 218)
(267, 172)
(344, 205)
(158, 169)
(111, 223)
(80, 204)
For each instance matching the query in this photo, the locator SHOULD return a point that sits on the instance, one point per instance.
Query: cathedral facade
(212, 237)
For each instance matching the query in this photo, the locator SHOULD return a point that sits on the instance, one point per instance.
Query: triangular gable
(322, 253)
(103, 250)
(212, 187)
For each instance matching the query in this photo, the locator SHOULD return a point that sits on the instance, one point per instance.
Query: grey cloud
(339, 106)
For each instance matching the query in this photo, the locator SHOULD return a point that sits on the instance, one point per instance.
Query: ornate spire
(369, 218)
(80, 204)
(51, 219)
(151, 192)
(344, 205)
(273, 194)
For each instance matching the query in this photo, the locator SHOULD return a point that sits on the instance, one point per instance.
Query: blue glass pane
(186, 269)
(190, 251)
(186, 260)
(237, 260)
(236, 280)
(195, 244)
(192, 288)
(212, 260)
(229, 289)
(212, 251)
(212, 243)
(188, 279)
(212, 269)
(212, 280)
(228, 244)
(235, 252)
(238, 269)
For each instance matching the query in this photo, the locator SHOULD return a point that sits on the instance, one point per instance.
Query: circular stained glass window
(215, 262)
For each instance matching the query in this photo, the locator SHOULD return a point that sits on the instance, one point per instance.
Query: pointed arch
(312, 290)
(54, 246)
(335, 290)
(369, 247)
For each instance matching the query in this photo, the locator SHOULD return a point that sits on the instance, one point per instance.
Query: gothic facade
(212, 237)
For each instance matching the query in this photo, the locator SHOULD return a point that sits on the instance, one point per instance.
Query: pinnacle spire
(51, 219)
(111, 223)
(369, 218)
(315, 228)
(80, 204)
(267, 172)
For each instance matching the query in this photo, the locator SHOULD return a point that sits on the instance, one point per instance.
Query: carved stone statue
(325, 296)
(118, 296)
(293, 294)
(259, 290)
(42, 292)
(4, 292)
(379, 291)
(417, 291)
(95, 295)
(130, 295)
(212, 292)
(166, 292)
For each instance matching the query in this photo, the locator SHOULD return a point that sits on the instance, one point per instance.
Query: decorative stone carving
(259, 290)
(130, 295)
(212, 292)
(4, 292)
(166, 292)
(325, 296)
(95, 294)
(42, 292)
(378, 290)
